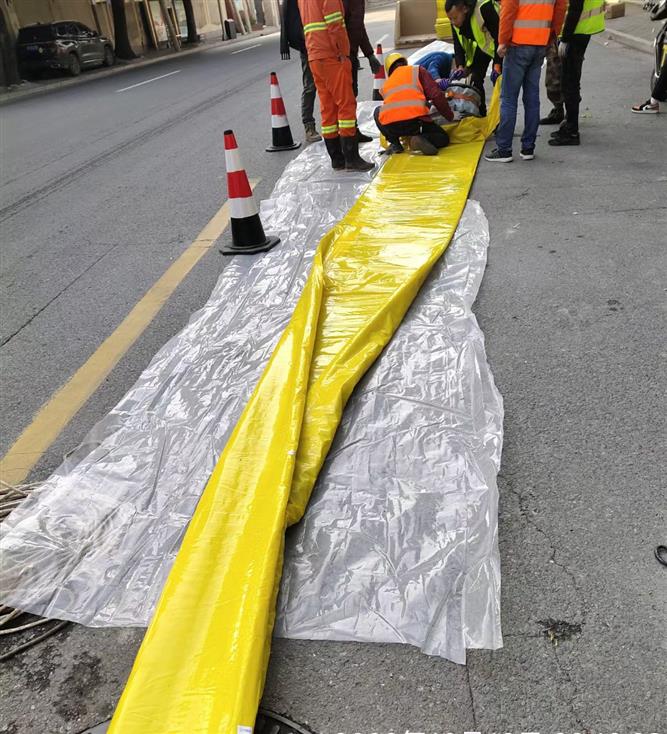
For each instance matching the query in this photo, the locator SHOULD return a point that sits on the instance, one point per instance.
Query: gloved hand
(284, 55)
(443, 84)
(563, 48)
(495, 73)
(459, 73)
(375, 63)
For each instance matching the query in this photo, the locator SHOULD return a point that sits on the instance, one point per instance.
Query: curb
(625, 39)
(9, 97)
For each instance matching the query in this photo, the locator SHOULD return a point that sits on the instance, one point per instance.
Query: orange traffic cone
(280, 129)
(380, 77)
(247, 232)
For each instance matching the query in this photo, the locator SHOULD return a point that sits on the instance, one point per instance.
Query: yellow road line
(54, 415)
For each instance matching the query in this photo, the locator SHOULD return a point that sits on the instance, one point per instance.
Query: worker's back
(324, 29)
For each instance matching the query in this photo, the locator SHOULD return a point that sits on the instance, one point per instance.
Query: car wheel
(74, 68)
(109, 57)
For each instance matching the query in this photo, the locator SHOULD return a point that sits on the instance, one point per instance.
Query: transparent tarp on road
(399, 542)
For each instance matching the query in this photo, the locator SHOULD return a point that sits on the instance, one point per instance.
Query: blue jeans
(522, 67)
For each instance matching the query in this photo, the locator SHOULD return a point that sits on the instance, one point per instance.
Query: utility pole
(171, 28)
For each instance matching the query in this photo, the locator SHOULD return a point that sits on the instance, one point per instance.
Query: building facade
(147, 26)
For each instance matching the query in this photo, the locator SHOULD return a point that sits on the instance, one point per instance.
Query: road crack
(66, 287)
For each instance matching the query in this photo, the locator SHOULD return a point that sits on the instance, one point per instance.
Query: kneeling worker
(405, 109)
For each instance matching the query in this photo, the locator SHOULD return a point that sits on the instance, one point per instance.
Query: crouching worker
(476, 24)
(404, 111)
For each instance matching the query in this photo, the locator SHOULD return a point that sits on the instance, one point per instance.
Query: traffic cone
(280, 130)
(380, 77)
(247, 232)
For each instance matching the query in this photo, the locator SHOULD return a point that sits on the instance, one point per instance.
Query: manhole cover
(269, 722)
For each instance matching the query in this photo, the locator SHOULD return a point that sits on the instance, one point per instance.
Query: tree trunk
(121, 37)
(193, 36)
(9, 67)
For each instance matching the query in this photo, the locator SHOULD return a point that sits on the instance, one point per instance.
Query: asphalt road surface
(106, 184)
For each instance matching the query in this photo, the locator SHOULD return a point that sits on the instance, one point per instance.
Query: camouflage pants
(552, 80)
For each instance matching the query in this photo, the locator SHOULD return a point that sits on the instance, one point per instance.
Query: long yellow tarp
(201, 666)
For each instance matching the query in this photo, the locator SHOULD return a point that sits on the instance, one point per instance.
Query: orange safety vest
(532, 25)
(403, 96)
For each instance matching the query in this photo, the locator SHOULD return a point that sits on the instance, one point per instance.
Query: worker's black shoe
(420, 143)
(395, 148)
(335, 153)
(555, 117)
(353, 161)
(563, 136)
(361, 138)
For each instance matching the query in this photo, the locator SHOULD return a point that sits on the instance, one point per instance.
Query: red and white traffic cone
(247, 232)
(380, 77)
(280, 130)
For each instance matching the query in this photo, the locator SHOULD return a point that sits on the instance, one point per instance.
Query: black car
(66, 45)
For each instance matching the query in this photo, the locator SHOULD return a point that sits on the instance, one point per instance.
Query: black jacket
(291, 29)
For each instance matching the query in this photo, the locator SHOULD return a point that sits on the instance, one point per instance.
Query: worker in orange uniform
(328, 48)
(405, 109)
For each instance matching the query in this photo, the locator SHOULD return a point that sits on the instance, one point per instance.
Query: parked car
(65, 45)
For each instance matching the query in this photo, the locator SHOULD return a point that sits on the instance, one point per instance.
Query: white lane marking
(148, 81)
(386, 35)
(240, 51)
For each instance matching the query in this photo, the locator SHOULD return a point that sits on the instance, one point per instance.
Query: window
(36, 34)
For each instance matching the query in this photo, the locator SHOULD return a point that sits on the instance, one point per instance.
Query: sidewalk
(33, 88)
(635, 29)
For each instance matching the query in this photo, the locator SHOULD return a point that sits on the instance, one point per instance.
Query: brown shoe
(312, 136)
(421, 144)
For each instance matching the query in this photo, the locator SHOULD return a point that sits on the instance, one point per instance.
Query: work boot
(335, 153)
(361, 138)
(353, 161)
(555, 117)
(311, 134)
(565, 136)
(420, 143)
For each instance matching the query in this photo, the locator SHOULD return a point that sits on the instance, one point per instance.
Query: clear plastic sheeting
(399, 540)
(95, 543)
(203, 660)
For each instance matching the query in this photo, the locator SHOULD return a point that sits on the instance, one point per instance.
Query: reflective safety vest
(591, 20)
(403, 95)
(483, 39)
(532, 25)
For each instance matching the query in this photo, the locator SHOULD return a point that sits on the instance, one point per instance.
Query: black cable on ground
(34, 641)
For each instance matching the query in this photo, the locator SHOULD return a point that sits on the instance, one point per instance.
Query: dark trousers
(571, 79)
(660, 88)
(308, 93)
(393, 131)
(552, 79)
(478, 69)
(355, 75)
